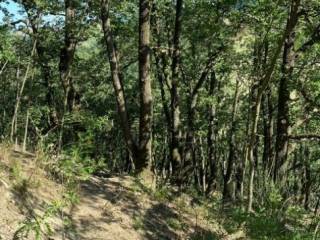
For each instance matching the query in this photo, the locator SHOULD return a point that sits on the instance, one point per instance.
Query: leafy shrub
(162, 194)
(273, 201)
(39, 225)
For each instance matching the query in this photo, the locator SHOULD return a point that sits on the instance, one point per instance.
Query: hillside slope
(119, 207)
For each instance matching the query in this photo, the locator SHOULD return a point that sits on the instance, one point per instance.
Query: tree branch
(206, 70)
(305, 137)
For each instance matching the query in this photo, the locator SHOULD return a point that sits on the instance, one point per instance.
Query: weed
(175, 224)
(138, 223)
(162, 194)
(39, 225)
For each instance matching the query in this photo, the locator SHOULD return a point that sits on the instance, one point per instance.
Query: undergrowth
(70, 172)
(275, 218)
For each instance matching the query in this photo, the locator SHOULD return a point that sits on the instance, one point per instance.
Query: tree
(175, 108)
(145, 129)
(216, 96)
(116, 79)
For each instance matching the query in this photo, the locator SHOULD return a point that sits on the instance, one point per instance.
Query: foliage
(235, 134)
(39, 225)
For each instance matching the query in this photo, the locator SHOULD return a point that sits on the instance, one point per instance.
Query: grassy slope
(117, 208)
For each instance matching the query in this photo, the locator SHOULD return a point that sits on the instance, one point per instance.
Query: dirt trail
(116, 208)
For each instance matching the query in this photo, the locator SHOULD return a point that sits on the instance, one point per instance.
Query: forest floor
(114, 208)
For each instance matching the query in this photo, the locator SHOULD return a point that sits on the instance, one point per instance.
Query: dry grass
(108, 208)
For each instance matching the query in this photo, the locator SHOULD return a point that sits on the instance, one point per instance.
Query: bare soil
(115, 208)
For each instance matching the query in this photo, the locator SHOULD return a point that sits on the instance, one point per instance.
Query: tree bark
(227, 194)
(162, 74)
(283, 124)
(34, 15)
(307, 177)
(211, 135)
(295, 5)
(268, 152)
(189, 149)
(145, 128)
(25, 138)
(283, 120)
(68, 50)
(175, 108)
(20, 93)
(117, 81)
(66, 60)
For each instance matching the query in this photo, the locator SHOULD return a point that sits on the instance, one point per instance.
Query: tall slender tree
(145, 128)
(117, 79)
(175, 106)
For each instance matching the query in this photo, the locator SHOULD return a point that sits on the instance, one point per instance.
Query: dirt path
(116, 208)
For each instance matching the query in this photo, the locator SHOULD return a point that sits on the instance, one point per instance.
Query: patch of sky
(11, 11)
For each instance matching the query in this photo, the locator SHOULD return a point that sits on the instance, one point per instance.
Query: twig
(316, 231)
(6, 185)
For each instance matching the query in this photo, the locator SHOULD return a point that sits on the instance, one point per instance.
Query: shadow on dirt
(153, 221)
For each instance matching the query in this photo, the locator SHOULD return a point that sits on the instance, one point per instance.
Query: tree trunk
(307, 177)
(189, 150)
(252, 141)
(211, 135)
(283, 124)
(262, 86)
(66, 60)
(267, 155)
(162, 74)
(19, 94)
(175, 108)
(227, 194)
(24, 146)
(145, 128)
(68, 50)
(163, 80)
(34, 15)
(254, 112)
(117, 81)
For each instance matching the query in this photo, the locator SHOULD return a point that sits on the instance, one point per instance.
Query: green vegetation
(211, 106)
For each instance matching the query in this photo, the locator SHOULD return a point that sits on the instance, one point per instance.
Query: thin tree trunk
(24, 146)
(283, 124)
(189, 150)
(68, 50)
(175, 108)
(163, 79)
(204, 165)
(66, 60)
(307, 177)
(267, 155)
(116, 80)
(243, 167)
(161, 76)
(20, 93)
(14, 118)
(262, 86)
(211, 135)
(3, 67)
(227, 194)
(315, 212)
(254, 111)
(145, 128)
(34, 17)
(252, 141)
(267, 111)
(161, 69)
